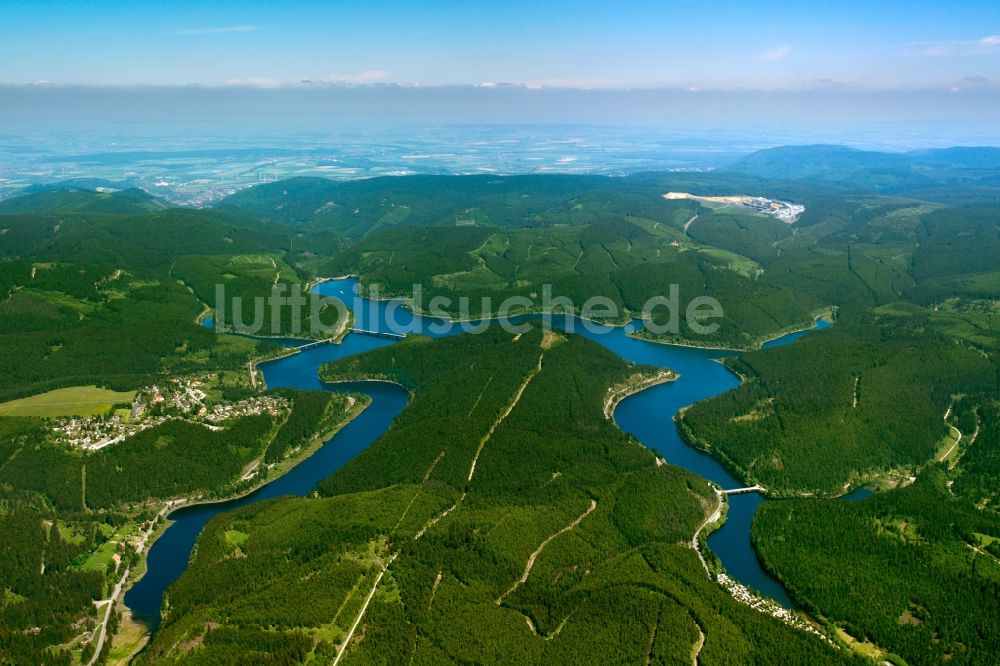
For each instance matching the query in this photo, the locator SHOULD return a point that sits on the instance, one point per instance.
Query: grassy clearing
(735, 262)
(126, 642)
(236, 537)
(985, 539)
(72, 401)
(864, 648)
(68, 534)
(948, 449)
(100, 559)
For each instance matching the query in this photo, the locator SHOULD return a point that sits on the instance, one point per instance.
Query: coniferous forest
(502, 517)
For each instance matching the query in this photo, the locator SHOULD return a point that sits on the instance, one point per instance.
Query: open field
(864, 648)
(72, 401)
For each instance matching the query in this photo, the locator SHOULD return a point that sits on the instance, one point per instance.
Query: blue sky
(871, 45)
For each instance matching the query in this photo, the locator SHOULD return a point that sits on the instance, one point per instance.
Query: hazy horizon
(894, 75)
(867, 119)
(352, 90)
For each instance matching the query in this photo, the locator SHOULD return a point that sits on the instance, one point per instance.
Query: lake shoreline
(825, 313)
(703, 382)
(618, 393)
(175, 504)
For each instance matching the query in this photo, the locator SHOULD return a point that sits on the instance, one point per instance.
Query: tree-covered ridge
(98, 297)
(955, 175)
(65, 515)
(357, 208)
(502, 518)
(839, 407)
(489, 236)
(626, 262)
(177, 458)
(84, 200)
(905, 570)
(245, 283)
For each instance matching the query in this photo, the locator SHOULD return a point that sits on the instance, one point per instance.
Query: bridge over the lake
(362, 331)
(378, 334)
(315, 343)
(748, 489)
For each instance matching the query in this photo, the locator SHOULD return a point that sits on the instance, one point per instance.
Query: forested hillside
(176, 458)
(501, 518)
(627, 262)
(951, 175)
(905, 570)
(841, 407)
(359, 207)
(93, 297)
(914, 570)
(493, 237)
(59, 201)
(65, 514)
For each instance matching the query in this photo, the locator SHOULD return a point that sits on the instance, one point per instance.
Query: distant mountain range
(953, 175)
(77, 197)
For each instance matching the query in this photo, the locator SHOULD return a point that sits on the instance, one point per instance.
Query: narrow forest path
(688, 223)
(361, 613)
(696, 650)
(538, 551)
(506, 413)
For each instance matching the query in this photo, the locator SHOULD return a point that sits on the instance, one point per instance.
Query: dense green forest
(503, 444)
(914, 570)
(45, 591)
(493, 237)
(840, 407)
(502, 462)
(904, 569)
(89, 298)
(626, 262)
(60, 508)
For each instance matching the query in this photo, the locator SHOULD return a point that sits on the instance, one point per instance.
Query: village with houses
(179, 398)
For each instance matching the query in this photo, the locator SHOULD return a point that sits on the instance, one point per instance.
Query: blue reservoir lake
(647, 415)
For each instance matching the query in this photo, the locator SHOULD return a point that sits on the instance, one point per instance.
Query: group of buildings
(180, 398)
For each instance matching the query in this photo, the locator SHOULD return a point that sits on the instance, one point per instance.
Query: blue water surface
(647, 415)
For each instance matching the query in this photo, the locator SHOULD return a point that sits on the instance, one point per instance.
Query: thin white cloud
(776, 52)
(363, 78)
(255, 82)
(967, 47)
(370, 76)
(219, 31)
(539, 84)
